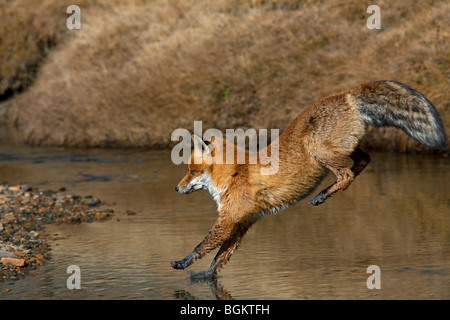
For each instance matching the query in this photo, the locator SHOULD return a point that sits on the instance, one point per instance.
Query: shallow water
(396, 215)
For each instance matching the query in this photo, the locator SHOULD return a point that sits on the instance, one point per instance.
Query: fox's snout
(183, 189)
(187, 185)
(184, 185)
(189, 188)
(191, 182)
(180, 189)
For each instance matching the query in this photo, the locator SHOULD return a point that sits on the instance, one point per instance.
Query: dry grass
(29, 30)
(135, 73)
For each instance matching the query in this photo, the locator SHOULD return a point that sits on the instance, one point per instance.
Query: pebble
(14, 261)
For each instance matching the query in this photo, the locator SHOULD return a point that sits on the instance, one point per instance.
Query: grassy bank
(136, 72)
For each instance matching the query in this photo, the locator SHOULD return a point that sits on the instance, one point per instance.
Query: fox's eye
(192, 173)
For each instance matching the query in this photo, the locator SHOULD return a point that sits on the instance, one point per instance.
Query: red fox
(319, 139)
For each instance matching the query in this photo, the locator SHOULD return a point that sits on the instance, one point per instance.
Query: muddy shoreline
(24, 213)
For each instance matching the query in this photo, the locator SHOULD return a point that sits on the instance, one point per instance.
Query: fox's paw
(177, 264)
(319, 199)
(322, 196)
(183, 263)
(180, 264)
(203, 275)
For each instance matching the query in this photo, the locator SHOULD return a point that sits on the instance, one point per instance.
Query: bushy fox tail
(387, 103)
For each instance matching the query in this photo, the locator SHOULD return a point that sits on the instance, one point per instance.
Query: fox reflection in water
(213, 283)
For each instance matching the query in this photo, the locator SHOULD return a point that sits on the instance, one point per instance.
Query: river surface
(396, 216)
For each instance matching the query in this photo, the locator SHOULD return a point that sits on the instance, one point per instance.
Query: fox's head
(200, 164)
(209, 167)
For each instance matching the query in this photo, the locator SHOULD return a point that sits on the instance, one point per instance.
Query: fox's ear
(200, 144)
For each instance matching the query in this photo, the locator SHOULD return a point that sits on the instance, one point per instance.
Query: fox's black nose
(176, 188)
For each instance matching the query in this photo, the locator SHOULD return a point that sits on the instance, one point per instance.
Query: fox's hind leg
(345, 176)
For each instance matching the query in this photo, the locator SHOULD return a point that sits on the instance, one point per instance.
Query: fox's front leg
(220, 231)
(229, 246)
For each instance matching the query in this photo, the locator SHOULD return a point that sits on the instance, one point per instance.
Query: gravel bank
(24, 212)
